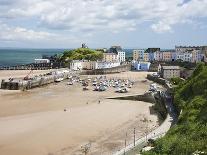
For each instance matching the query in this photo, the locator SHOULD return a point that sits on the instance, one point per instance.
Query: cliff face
(190, 133)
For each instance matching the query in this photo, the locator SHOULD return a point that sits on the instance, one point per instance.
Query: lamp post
(134, 136)
(125, 144)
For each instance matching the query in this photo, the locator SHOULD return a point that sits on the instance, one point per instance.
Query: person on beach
(99, 102)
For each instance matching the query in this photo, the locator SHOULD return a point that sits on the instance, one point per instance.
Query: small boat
(94, 83)
(85, 88)
(118, 90)
(59, 79)
(96, 88)
(129, 86)
(70, 83)
(124, 90)
(102, 88)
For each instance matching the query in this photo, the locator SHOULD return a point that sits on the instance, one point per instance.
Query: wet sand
(34, 122)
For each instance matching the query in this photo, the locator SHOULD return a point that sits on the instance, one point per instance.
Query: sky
(102, 23)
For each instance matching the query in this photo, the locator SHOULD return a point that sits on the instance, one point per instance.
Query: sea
(13, 57)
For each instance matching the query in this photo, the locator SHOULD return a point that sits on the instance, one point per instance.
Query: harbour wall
(33, 66)
(37, 81)
(156, 98)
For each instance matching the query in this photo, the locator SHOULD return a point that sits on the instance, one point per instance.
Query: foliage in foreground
(190, 133)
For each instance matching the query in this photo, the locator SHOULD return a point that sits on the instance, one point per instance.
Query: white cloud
(105, 15)
(161, 27)
(8, 33)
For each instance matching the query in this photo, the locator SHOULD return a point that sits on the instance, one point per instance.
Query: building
(146, 56)
(187, 48)
(141, 66)
(151, 51)
(168, 72)
(76, 65)
(204, 53)
(138, 54)
(174, 55)
(167, 56)
(91, 65)
(40, 61)
(110, 57)
(119, 51)
(88, 65)
(103, 65)
(158, 55)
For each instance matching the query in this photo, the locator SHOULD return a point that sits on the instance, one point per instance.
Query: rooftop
(171, 67)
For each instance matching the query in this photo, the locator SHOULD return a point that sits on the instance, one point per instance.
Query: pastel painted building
(138, 54)
(119, 51)
(167, 56)
(174, 55)
(158, 55)
(89, 65)
(110, 57)
(151, 52)
(146, 57)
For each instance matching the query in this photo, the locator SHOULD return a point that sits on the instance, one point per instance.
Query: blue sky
(102, 23)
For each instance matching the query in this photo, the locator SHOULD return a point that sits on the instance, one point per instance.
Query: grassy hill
(190, 133)
(82, 54)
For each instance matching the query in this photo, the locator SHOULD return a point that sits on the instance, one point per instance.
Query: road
(158, 132)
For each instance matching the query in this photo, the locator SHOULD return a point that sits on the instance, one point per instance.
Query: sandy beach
(34, 122)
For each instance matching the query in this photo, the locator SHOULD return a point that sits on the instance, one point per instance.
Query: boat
(96, 88)
(124, 90)
(118, 90)
(59, 79)
(153, 87)
(102, 88)
(129, 86)
(70, 83)
(85, 88)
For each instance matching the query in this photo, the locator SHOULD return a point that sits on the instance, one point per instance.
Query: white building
(103, 65)
(76, 65)
(121, 56)
(38, 61)
(91, 65)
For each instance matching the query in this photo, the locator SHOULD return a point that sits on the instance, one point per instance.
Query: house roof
(171, 67)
